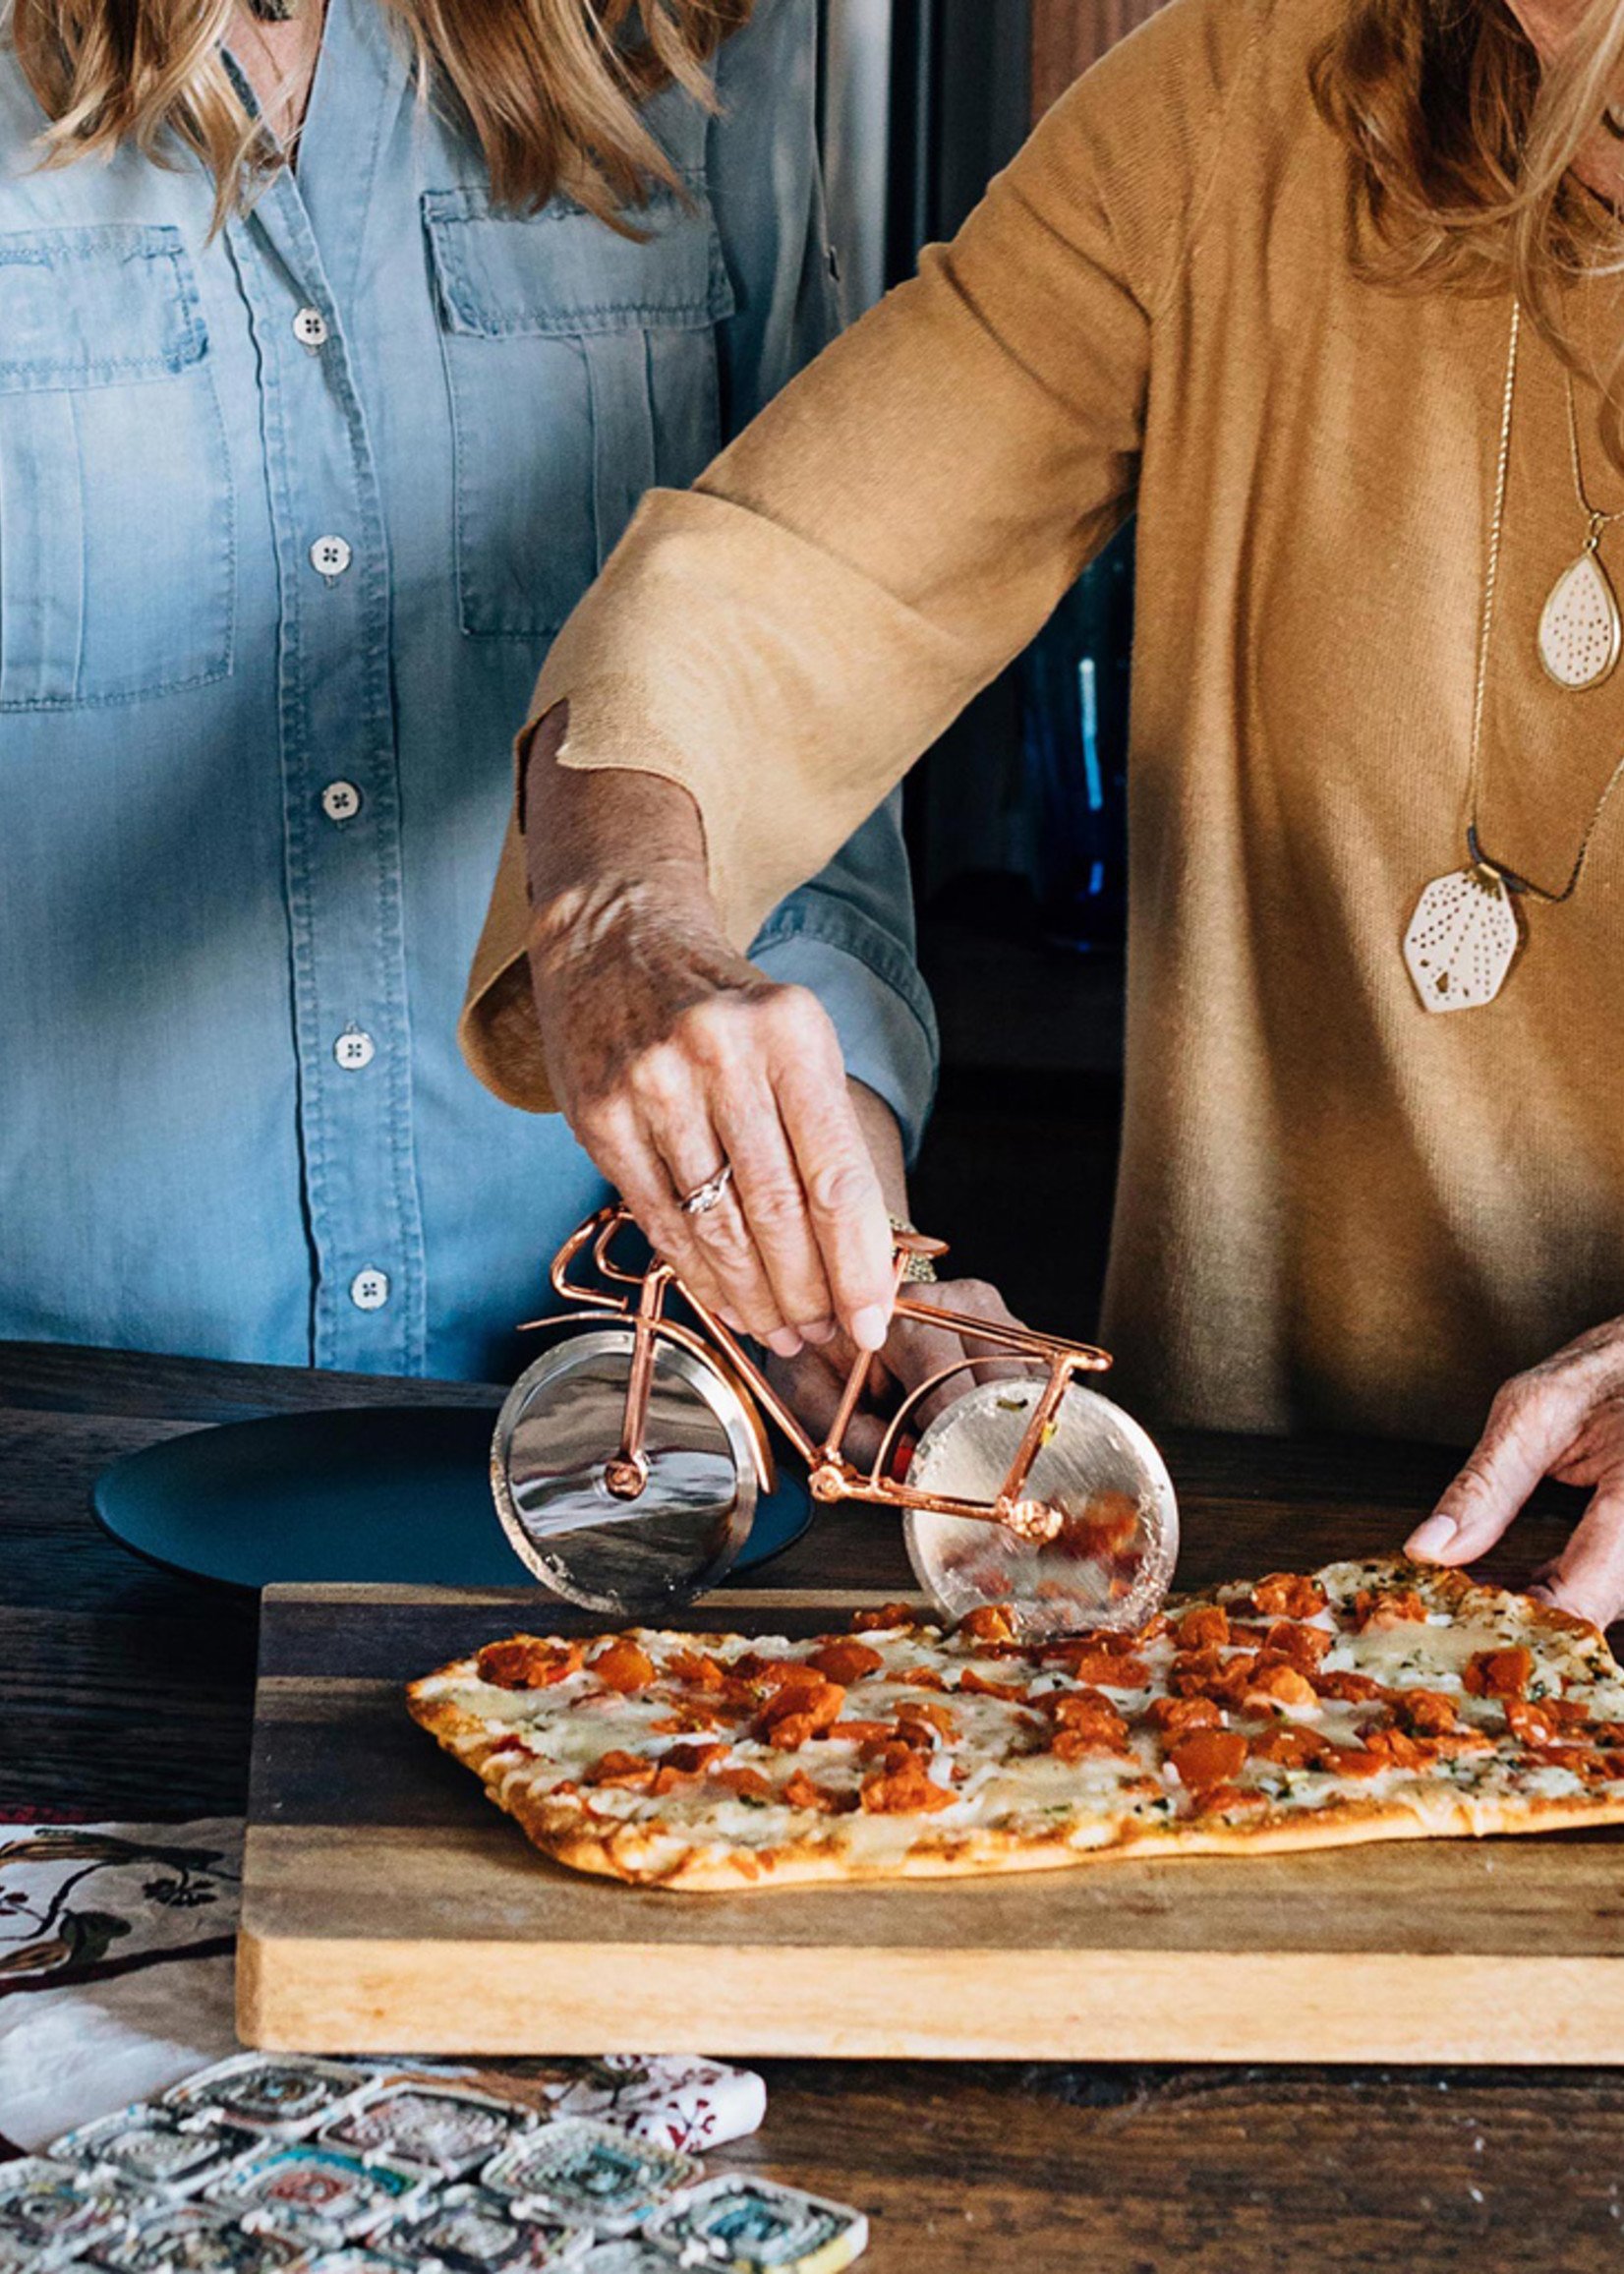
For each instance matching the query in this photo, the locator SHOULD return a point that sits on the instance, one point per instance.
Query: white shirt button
(329, 556)
(369, 1290)
(354, 1049)
(310, 328)
(341, 801)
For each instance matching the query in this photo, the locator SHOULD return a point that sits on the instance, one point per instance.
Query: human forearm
(601, 845)
(673, 1057)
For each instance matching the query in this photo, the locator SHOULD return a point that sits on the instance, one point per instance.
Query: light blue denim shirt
(286, 520)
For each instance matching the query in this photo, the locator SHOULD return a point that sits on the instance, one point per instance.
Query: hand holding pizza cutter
(627, 1461)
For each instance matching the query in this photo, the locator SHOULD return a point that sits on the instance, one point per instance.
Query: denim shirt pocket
(582, 369)
(117, 568)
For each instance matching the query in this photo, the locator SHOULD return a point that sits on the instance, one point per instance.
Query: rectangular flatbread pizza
(1372, 1700)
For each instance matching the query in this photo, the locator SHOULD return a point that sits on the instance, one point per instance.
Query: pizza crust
(1348, 1824)
(681, 1848)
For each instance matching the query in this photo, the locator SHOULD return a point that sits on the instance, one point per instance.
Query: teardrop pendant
(1579, 627)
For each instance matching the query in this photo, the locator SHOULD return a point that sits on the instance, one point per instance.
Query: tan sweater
(1335, 1210)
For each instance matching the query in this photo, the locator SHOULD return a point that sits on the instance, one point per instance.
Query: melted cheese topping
(999, 1765)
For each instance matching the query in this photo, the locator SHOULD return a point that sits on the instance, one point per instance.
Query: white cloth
(115, 1965)
(116, 1981)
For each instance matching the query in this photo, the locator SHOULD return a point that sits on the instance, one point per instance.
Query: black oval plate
(388, 1495)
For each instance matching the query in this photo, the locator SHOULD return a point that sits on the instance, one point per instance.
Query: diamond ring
(704, 1198)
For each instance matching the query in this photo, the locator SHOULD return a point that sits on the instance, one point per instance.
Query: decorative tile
(192, 2239)
(438, 2129)
(51, 2210)
(473, 2231)
(147, 2147)
(588, 2173)
(314, 2193)
(267, 2093)
(746, 2225)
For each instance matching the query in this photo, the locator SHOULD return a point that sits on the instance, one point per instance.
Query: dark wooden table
(126, 1691)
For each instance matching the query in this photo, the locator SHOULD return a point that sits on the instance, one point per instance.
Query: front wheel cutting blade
(1112, 1561)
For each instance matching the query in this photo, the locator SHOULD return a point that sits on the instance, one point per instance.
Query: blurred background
(1015, 821)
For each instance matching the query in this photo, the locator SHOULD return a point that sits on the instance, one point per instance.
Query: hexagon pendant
(1463, 939)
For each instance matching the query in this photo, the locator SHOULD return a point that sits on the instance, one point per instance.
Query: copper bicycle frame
(831, 1476)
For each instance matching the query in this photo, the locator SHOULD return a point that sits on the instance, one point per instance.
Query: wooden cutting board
(388, 1906)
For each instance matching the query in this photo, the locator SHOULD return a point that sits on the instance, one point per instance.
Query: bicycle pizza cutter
(627, 1461)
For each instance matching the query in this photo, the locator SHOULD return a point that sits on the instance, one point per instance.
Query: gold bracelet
(919, 1270)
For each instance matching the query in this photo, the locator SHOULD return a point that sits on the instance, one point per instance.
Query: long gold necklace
(1464, 936)
(1580, 631)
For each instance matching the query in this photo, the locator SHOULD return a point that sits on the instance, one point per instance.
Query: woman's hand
(1563, 1418)
(812, 1384)
(670, 1057)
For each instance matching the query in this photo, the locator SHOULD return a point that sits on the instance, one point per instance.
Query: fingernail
(1538, 1594)
(785, 1341)
(821, 1330)
(868, 1328)
(1432, 1538)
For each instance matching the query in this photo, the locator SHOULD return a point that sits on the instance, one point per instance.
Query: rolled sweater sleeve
(784, 639)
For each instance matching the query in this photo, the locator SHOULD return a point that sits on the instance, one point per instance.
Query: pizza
(1372, 1700)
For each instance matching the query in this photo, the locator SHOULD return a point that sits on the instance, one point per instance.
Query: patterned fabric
(90, 1901)
(116, 1984)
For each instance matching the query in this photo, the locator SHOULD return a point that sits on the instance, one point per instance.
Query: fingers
(723, 1237)
(631, 1157)
(916, 1351)
(1531, 1425)
(632, 1163)
(975, 1298)
(759, 1242)
(812, 1386)
(846, 1207)
(750, 1074)
(769, 1188)
(1588, 1577)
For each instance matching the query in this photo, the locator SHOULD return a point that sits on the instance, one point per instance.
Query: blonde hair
(1463, 151)
(553, 89)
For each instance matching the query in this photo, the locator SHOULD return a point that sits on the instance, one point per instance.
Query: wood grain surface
(127, 1690)
(386, 1904)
